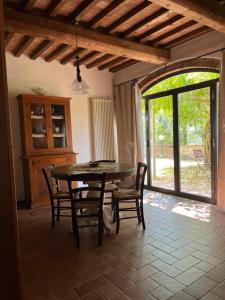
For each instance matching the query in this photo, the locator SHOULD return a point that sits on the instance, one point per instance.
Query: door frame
(212, 85)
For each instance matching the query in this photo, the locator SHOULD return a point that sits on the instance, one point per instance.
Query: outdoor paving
(180, 255)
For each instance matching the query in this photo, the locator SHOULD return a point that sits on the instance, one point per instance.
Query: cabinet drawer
(41, 162)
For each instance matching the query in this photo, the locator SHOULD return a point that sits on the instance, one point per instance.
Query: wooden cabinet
(46, 139)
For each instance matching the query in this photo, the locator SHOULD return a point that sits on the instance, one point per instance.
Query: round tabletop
(113, 170)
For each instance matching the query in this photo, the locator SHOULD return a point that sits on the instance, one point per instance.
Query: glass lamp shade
(79, 87)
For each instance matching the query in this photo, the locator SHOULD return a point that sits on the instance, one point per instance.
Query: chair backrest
(198, 154)
(89, 177)
(140, 177)
(52, 183)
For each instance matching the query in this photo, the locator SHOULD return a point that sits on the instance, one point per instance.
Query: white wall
(24, 74)
(199, 46)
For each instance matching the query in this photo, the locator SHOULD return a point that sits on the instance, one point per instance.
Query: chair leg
(142, 215)
(100, 228)
(58, 209)
(138, 210)
(53, 215)
(75, 227)
(117, 217)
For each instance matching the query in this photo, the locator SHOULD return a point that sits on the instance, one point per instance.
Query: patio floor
(181, 255)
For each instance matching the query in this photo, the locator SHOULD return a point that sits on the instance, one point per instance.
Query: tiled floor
(181, 255)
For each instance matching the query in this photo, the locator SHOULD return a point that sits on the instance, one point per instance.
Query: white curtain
(127, 104)
(221, 139)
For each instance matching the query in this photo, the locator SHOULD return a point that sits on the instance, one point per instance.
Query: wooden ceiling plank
(89, 39)
(208, 13)
(108, 9)
(112, 63)
(29, 5)
(40, 49)
(159, 27)
(172, 32)
(88, 57)
(127, 16)
(124, 65)
(55, 7)
(59, 50)
(72, 55)
(23, 45)
(99, 60)
(81, 9)
(8, 37)
(145, 21)
(187, 36)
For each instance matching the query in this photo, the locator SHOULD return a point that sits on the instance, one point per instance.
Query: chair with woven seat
(87, 202)
(131, 195)
(57, 196)
(110, 186)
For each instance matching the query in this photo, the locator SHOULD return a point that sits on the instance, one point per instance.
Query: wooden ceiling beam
(40, 49)
(188, 36)
(108, 9)
(127, 16)
(8, 37)
(72, 56)
(89, 39)
(163, 25)
(208, 13)
(55, 7)
(172, 32)
(99, 61)
(112, 63)
(59, 50)
(23, 45)
(29, 5)
(88, 57)
(145, 21)
(124, 65)
(81, 9)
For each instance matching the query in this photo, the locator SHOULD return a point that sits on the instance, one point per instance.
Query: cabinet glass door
(58, 126)
(38, 126)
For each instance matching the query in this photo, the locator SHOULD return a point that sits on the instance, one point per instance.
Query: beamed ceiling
(111, 34)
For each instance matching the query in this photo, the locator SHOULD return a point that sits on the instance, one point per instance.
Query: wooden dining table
(114, 170)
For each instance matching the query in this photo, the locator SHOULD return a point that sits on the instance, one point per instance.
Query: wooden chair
(87, 202)
(131, 195)
(57, 196)
(110, 186)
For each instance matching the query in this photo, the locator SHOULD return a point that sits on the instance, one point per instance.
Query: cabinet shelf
(62, 135)
(38, 135)
(57, 117)
(37, 117)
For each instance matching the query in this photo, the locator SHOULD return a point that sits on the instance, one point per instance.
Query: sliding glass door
(181, 140)
(195, 142)
(161, 142)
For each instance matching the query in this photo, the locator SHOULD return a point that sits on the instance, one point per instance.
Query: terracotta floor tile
(141, 288)
(90, 286)
(200, 287)
(134, 261)
(120, 281)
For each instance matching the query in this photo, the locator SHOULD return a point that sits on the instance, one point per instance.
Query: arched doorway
(180, 128)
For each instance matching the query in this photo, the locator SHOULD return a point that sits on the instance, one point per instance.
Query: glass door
(58, 126)
(38, 115)
(181, 134)
(195, 142)
(161, 146)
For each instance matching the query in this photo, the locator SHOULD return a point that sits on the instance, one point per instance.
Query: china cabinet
(46, 139)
